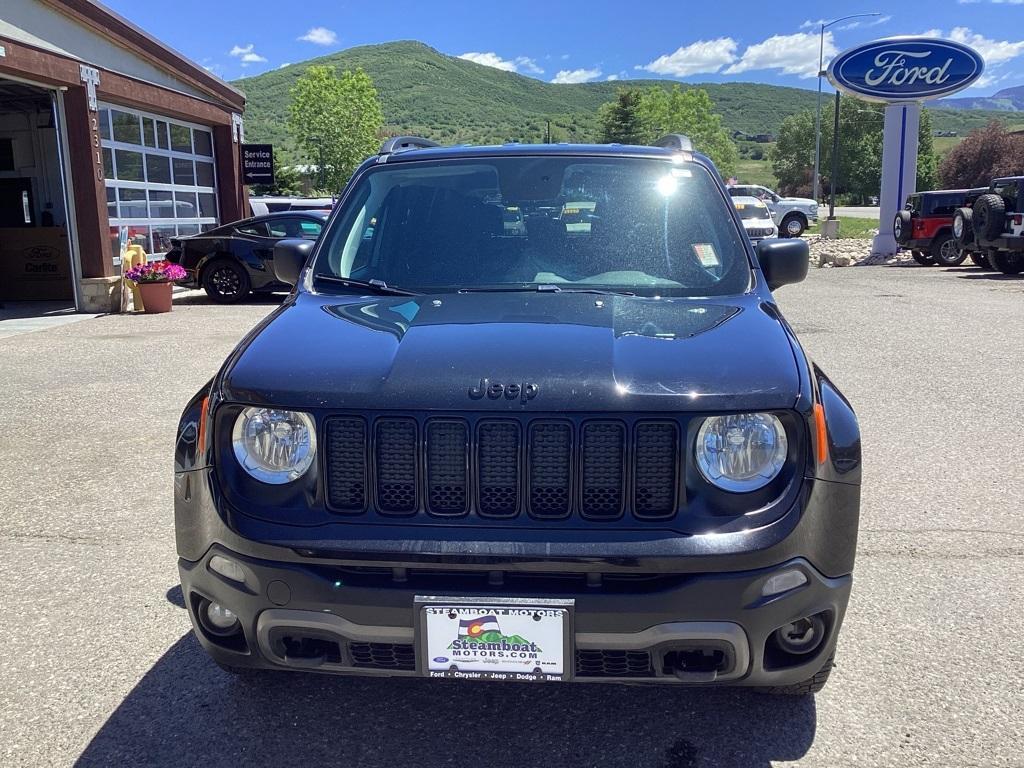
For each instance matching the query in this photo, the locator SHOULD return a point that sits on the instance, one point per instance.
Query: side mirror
(783, 261)
(289, 259)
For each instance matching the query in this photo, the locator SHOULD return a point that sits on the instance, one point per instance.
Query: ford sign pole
(902, 72)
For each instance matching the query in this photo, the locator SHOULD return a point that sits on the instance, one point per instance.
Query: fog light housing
(229, 569)
(783, 582)
(217, 619)
(802, 636)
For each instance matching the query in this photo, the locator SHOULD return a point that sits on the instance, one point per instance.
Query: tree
(985, 154)
(620, 121)
(860, 150)
(336, 121)
(642, 116)
(690, 112)
(287, 181)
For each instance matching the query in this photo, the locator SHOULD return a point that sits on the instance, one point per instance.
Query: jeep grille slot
(550, 453)
(447, 470)
(395, 459)
(498, 462)
(603, 469)
(346, 464)
(655, 455)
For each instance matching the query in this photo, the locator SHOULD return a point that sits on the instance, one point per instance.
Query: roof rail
(676, 142)
(401, 143)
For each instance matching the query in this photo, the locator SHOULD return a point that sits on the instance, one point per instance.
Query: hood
(549, 351)
(798, 200)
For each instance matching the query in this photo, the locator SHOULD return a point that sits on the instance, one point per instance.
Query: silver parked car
(792, 214)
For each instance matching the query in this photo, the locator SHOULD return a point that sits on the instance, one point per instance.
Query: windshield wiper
(372, 286)
(545, 288)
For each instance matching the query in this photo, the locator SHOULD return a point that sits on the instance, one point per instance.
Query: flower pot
(156, 297)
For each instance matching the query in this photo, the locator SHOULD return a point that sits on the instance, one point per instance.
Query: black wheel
(946, 252)
(963, 227)
(989, 216)
(980, 260)
(923, 258)
(902, 227)
(812, 684)
(225, 281)
(793, 225)
(1008, 262)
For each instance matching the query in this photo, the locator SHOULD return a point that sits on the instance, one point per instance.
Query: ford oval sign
(905, 69)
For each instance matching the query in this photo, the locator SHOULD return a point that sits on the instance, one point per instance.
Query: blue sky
(768, 41)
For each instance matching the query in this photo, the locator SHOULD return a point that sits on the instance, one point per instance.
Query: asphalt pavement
(855, 212)
(99, 668)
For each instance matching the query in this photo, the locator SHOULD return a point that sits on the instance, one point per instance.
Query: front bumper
(626, 630)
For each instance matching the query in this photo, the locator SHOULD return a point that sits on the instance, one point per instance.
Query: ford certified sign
(905, 69)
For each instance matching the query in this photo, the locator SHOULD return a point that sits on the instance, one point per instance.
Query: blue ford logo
(441, 659)
(905, 69)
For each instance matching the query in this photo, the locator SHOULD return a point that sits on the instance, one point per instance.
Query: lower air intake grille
(605, 663)
(654, 458)
(346, 464)
(395, 456)
(447, 473)
(498, 462)
(604, 475)
(382, 655)
(550, 461)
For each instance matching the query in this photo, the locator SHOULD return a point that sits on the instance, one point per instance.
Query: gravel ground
(99, 667)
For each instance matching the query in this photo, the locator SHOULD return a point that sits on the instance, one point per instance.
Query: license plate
(495, 639)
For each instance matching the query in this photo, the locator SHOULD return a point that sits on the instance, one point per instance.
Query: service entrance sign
(257, 164)
(902, 72)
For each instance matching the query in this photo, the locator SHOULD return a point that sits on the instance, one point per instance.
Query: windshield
(752, 211)
(643, 226)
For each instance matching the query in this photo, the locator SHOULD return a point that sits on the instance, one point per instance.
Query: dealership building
(103, 128)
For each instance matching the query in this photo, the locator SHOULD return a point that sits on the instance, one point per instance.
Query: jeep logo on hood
(524, 391)
(905, 69)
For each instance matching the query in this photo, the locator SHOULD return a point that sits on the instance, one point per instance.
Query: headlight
(742, 452)
(274, 446)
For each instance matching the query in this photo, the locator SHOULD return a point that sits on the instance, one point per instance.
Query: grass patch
(849, 227)
(755, 172)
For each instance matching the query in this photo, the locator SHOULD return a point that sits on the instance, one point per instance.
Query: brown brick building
(103, 127)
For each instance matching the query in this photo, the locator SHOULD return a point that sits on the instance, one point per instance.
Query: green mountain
(452, 100)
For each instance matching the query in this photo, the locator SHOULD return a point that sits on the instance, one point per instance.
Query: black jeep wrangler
(584, 448)
(992, 224)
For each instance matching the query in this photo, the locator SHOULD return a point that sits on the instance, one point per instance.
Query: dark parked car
(992, 224)
(231, 261)
(550, 452)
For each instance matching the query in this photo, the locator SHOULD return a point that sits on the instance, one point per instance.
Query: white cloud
(867, 21)
(246, 54)
(701, 56)
(284, 64)
(576, 75)
(795, 54)
(320, 36)
(612, 77)
(994, 52)
(491, 59)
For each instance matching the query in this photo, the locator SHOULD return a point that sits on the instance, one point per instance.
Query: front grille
(382, 655)
(608, 663)
(543, 468)
(759, 232)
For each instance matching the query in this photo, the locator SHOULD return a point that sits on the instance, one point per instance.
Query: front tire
(980, 260)
(793, 225)
(946, 252)
(226, 281)
(1008, 262)
(812, 684)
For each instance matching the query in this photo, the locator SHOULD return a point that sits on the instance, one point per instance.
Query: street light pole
(817, 118)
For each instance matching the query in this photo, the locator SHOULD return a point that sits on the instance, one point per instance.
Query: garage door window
(160, 176)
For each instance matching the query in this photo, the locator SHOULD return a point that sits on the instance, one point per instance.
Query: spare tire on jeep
(902, 227)
(963, 227)
(989, 216)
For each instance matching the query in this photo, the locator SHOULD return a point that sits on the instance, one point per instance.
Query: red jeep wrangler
(925, 227)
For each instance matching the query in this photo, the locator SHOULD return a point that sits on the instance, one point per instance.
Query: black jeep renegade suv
(530, 413)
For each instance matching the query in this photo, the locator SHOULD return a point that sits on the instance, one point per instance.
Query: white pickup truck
(792, 214)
